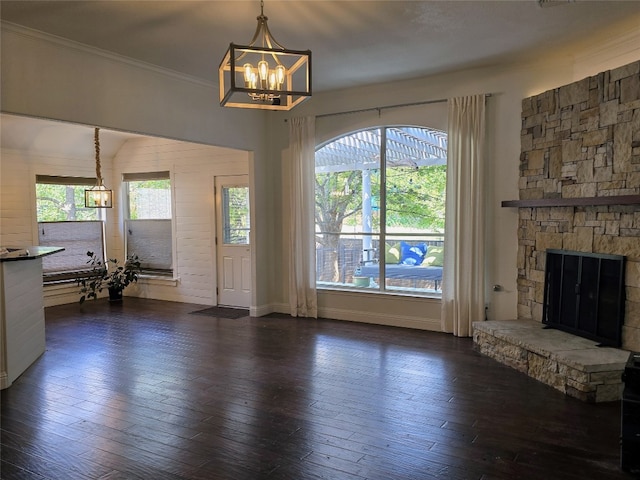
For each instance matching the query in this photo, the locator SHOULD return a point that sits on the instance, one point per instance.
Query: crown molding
(114, 57)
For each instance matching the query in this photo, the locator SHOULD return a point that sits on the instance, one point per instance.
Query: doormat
(223, 312)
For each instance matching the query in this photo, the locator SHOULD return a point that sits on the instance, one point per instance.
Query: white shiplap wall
(193, 170)
(18, 170)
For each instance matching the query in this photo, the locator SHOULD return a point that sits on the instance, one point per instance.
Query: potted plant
(108, 274)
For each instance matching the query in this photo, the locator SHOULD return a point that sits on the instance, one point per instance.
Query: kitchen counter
(22, 335)
(9, 254)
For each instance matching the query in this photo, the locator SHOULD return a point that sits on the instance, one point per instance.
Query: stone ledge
(574, 365)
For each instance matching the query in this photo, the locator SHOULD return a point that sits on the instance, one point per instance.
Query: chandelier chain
(97, 143)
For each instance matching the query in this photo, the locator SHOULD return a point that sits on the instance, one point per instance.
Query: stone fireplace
(582, 142)
(580, 190)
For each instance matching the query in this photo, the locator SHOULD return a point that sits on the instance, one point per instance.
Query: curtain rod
(386, 107)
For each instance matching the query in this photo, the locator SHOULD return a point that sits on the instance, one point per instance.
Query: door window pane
(235, 215)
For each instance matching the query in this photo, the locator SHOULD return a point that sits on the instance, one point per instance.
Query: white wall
(18, 171)
(193, 169)
(49, 77)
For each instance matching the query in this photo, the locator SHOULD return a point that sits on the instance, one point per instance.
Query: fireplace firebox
(584, 295)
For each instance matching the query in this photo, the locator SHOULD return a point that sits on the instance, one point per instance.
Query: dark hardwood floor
(147, 390)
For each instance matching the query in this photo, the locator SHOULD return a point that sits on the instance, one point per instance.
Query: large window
(380, 197)
(63, 221)
(148, 221)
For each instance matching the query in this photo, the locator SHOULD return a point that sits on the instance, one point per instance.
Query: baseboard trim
(418, 323)
(4, 381)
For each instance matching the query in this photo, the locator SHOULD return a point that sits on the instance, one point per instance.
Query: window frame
(384, 232)
(67, 276)
(147, 271)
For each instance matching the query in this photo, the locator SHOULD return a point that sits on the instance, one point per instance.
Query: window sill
(158, 280)
(429, 295)
(68, 285)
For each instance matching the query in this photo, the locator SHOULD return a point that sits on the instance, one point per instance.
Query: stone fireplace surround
(579, 190)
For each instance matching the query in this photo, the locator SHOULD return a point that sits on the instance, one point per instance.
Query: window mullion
(383, 208)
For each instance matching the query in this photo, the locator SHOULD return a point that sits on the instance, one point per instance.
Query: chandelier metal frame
(247, 81)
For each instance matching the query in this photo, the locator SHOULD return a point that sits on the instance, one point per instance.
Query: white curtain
(463, 293)
(303, 299)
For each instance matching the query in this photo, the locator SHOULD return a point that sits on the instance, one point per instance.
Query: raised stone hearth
(574, 365)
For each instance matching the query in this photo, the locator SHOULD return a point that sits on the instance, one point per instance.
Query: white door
(232, 240)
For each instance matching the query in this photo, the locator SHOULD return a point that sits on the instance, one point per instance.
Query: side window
(380, 196)
(148, 230)
(63, 221)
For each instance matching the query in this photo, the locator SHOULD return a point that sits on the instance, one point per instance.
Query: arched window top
(406, 145)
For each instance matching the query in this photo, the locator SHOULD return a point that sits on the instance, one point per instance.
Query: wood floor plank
(145, 390)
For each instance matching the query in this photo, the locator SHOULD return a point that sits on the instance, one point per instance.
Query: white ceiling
(38, 136)
(353, 42)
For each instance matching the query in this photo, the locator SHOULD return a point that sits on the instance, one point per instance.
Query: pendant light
(98, 196)
(264, 74)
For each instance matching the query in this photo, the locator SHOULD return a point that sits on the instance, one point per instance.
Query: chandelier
(98, 196)
(264, 74)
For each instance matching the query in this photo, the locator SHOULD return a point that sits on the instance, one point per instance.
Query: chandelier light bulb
(263, 71)
(280, 75)
(248, 74)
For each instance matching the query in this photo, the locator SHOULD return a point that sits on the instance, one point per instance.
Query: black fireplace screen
(584, 295)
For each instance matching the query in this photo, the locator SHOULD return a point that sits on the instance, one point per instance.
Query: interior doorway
(233, 247)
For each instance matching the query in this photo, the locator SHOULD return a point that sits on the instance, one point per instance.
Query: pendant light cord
(97, 142)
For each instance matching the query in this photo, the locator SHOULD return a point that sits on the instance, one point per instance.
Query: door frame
(243, 180)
